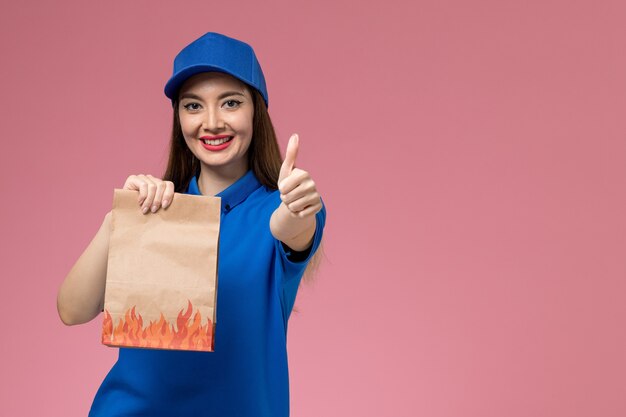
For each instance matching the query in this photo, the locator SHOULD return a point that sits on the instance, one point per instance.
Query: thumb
(290, 158)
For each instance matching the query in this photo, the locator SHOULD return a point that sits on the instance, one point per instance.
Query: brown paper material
(161, 284)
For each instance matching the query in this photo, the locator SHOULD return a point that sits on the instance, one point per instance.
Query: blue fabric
(247, 374)
(216, 52)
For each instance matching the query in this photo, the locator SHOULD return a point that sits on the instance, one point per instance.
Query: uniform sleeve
(290, 265)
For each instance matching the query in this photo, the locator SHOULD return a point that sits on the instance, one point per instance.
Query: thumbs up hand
(300, 200)
(297, 189)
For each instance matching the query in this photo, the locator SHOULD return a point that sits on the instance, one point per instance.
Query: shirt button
(227, 206)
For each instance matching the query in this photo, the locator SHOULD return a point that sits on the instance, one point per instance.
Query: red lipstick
(219, 147)
(214, 137)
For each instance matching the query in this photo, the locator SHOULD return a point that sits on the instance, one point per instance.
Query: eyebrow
(221, 96)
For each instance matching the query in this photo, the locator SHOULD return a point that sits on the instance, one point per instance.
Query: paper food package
(161, 284)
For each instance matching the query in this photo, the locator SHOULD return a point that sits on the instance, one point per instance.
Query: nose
(213, 120)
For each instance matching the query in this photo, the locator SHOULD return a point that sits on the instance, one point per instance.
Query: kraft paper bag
(161, 284)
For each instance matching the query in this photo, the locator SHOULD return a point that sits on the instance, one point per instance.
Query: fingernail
(165, 203)
(154, 208)
(145, 210)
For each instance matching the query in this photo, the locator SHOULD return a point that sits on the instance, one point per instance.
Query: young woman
(272, 219)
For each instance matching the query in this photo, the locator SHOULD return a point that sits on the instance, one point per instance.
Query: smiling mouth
(217, 141)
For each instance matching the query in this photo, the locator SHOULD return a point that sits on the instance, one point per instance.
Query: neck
(213, 180)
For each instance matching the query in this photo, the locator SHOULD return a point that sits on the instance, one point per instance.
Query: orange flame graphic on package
(161, 334)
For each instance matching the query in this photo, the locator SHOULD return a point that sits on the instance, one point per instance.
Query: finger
(302, 188)
(168, 195)
(310, 211)
(150, 193)
(128, 183)
(296, 179)
(302, 203)
(136, 183)
(292, 195)
(158, 196)
(133, 182)
(290, 158)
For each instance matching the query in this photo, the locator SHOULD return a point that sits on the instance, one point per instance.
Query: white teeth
(217, 141)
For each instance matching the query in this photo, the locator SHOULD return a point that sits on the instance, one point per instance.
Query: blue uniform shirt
(247, 374)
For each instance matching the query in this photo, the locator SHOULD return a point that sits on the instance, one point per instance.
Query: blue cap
(216, 52)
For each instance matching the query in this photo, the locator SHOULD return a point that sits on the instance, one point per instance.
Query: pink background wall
(472, 156)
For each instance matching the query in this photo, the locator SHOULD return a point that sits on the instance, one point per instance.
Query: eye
(186, 106)
(234, 103)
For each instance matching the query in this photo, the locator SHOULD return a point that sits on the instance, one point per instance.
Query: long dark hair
(263, 158)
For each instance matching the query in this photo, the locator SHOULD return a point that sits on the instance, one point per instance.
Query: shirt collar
(234, 194)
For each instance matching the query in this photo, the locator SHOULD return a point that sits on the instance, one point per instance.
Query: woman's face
(217, 105)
